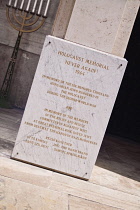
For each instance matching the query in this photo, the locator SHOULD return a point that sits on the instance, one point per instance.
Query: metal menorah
(25, 16)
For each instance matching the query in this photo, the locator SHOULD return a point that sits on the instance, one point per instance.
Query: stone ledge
(76, 203)
(20, 195)
(49, 180)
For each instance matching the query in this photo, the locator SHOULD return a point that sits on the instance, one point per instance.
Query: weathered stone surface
(120, 156)
(104, 25)
(111, 35)
(5, 134)
(95, 23)
(116, 167)
(19, 195)
(9, 124)
(73, 92)
(70, 186)
(62, 18)
(125, 28)
(76, 203)
(6, 147)
(108, 178)
(95, 192)
(26, 173)
(23, 74)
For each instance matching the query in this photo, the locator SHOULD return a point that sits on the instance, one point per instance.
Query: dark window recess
(125, 118)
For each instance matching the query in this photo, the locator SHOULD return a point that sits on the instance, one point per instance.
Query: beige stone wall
(27, 187)
(105, 25)
(114, 182)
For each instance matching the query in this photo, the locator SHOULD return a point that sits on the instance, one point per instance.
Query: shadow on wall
(23, 74)
(118, 154)
(125, 118)
(31, 45)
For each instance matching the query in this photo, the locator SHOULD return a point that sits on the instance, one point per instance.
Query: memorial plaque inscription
(68, 108)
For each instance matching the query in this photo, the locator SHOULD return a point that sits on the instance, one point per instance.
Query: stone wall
(105, 25)
(30, 49)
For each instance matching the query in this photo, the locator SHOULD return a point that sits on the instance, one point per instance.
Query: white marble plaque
(68, 108)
